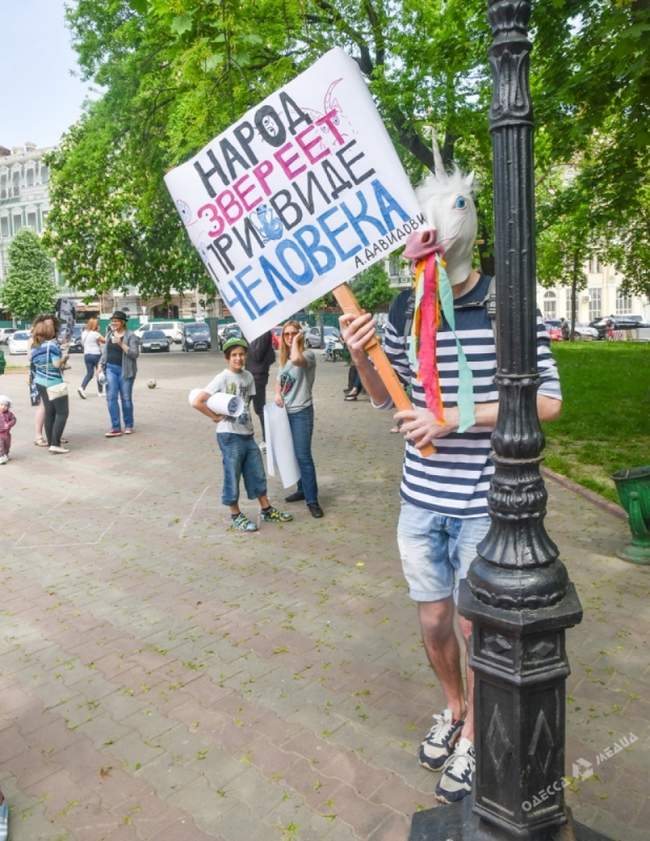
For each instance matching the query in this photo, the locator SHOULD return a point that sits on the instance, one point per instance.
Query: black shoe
(315, 510)
(297, 496)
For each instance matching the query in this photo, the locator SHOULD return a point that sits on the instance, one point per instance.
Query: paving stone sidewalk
(163, 678)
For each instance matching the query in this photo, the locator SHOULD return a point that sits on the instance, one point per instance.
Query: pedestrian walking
(119, 363)
(240, 454)
(91, 341)
(259, 359)
(293, 390)
(7, 423)
(49, 361)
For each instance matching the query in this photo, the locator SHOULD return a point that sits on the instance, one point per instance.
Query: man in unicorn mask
(440, 341)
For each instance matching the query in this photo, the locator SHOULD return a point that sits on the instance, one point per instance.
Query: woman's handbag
(54, 392)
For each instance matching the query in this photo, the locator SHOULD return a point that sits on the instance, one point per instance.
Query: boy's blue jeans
(302, 426)
(241, 457)
(119, 389)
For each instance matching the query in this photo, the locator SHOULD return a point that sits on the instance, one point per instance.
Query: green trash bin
(633, 488)
(3, 362)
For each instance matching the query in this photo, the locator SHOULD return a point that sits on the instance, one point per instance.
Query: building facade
(601, 297)
(24, 196)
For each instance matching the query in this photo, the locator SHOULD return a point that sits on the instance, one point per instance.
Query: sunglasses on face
(289, 333)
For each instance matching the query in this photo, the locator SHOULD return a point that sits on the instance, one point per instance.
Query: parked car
(75, 341)
(196, 336)
(621, 322)
(5, 332)
(172, 329)
(585, 333)
(154, 340)
(554, 329)
(228, 331)
(19, 342)
(312, 336)
(276, 335)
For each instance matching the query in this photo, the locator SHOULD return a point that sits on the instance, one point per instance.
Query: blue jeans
(119, 390)
(241, 457)
(302, 427)
(92, 361)
(436, 550)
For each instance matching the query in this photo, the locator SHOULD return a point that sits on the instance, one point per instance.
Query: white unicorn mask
(448, 206)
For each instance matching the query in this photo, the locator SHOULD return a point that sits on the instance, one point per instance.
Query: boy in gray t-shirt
(240, 454)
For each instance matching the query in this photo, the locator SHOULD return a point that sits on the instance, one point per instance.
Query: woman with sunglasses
(293, 390)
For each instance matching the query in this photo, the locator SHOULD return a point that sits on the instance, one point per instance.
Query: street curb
(596, 499)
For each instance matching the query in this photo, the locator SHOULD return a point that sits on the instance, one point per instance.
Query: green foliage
(29, 287)
(373, 289)
(177, 72)
(605, 410)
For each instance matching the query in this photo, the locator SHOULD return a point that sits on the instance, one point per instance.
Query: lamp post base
(459, 823)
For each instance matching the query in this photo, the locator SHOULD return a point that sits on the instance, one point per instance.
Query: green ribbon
(466, 416)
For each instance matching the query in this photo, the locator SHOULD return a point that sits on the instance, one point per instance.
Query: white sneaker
(4, 459)
(81, 393)
(455, 782)
(58, 450)
(438, 744)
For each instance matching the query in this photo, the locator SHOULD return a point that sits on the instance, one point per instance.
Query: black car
(75, 341)
(154, 341)
(196, 336)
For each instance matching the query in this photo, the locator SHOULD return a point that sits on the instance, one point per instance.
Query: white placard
(297, 197)
(280, 453)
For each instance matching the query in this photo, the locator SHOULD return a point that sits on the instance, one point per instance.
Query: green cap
(236, 341)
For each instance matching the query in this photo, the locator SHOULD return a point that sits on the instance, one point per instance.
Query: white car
(585, 332)
(172, 329)
(19, 342)
(5, 332)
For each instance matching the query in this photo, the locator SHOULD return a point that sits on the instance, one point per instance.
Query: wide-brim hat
(122, 316)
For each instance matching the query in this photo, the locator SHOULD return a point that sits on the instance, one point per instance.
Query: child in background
(7, 422)
(240, 453)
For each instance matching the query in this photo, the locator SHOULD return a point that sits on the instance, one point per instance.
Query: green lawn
(605, 422)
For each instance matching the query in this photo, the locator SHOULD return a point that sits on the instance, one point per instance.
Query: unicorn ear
(470, 181)
(439, 167)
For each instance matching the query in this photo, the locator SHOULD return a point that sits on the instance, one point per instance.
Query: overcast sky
(39, 95)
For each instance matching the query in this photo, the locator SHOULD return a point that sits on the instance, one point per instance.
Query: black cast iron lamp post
(517, 594)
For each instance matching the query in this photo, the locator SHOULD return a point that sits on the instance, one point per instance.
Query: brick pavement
(161, 677)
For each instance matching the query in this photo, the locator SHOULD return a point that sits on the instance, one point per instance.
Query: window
(29, 178)
(550, 305)
(4, 227)
(18, 223)
(393, 265)
(31, 221)
(595, 304)
(594, 265)
(623, 304)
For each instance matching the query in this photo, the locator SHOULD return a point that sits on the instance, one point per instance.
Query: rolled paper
(221, 404)
(280, 453)
(226, 404)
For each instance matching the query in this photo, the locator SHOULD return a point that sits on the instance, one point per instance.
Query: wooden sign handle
(346, 299)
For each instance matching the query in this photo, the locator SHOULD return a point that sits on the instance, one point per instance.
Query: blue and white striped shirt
(455, 480)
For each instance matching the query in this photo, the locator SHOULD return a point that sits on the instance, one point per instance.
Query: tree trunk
(574, 294)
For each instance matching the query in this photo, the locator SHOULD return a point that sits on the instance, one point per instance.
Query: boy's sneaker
(438, 744)
(457, 773)
(242, 523)
(272, 515)
(4, 459)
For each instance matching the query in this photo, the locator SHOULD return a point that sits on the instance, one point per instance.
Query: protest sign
(296, 197)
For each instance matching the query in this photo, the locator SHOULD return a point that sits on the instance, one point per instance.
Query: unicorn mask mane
(447, 202)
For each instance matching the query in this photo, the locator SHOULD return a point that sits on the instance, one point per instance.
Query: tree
(373, 289)
(176, 72)
(29, 288)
